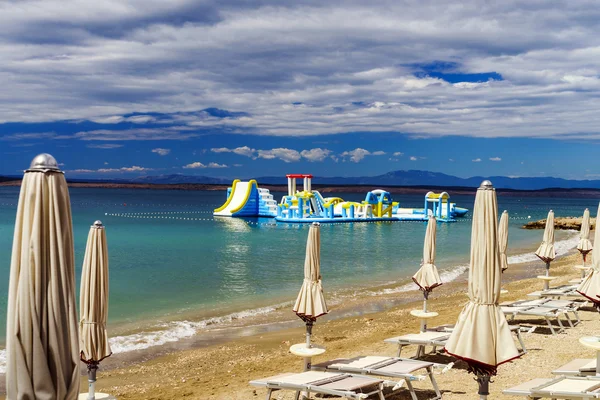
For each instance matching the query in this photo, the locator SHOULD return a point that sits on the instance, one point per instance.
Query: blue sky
(239, 89)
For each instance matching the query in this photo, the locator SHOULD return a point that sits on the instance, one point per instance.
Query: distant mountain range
(393, 178)
(396, 178)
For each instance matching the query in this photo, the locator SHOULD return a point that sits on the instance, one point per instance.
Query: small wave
(177, 330)
(561, 247)
(3, 361)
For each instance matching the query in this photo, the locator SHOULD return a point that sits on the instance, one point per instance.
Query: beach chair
(567, 306)
(389, 367)
(433, 338)
(573, 388)
(577, 367)
(437, 337)
(325, 383)
(557, 293)
(547, 313)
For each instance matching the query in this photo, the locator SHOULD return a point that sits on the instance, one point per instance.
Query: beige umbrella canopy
(93, 303)
(503, 241)
(482, 336)
(585, 246)
(546, 251)
(310, 303)
(42, 343)
(590, 287)
(427, 277)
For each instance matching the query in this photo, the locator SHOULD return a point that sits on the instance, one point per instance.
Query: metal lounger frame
(407, 377)
(274, 386)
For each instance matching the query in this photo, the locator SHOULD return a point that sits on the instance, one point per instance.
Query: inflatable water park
(246, 199)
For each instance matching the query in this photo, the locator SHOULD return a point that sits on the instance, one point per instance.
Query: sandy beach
(222, 371)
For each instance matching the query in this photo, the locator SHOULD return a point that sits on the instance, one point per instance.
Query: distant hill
(395, 178)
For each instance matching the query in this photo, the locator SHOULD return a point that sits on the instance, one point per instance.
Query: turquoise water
(163, 266)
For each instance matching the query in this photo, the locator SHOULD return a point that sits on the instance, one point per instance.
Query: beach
(223, 371)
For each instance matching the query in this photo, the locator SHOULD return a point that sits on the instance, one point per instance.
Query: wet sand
(222, 370)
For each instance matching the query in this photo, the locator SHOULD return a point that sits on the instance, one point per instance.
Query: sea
(176, 271)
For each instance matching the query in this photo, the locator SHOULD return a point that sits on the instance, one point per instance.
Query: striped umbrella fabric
(503, 241)
(482, 336)
(590, 287)
(427, 277)
(42, 342)
(546, 251)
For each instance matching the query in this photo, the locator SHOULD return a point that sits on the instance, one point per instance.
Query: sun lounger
(336, 384)
(567, 306)
(546, 313)
(434, 339)
(515, 329)
(560, 292)
(390, 367)
(573, 388)
(437, 337)
(577, 367)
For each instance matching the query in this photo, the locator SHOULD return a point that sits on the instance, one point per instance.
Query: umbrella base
(99, 396)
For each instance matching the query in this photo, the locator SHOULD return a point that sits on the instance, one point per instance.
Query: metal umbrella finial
(43, 163)
(486, 185)
(97, 224)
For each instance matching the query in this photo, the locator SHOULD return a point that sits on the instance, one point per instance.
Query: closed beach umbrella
(427, 277)
(503, 241)
(482, 337)
(310, 303)
(546, 251)
(93, 303)
(42, 343)
(585, 246)
(590, 287)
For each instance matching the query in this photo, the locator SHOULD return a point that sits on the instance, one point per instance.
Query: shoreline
(377, 301)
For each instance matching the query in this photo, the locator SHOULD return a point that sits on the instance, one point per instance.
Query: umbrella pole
(583, 270)
(547, 283)
(484, 386)
(423, 321)
(92, 368)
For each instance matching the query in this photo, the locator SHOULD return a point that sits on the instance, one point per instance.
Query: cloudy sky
(248, 88)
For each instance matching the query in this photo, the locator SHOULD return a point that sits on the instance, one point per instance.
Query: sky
(238, 89)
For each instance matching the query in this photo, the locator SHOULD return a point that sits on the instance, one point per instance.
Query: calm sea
(170, 261)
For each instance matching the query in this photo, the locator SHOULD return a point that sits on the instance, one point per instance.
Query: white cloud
(495, 159)
(134, 168)
(216, 165)
(413, 158)
(451, 159)
(398, 154)
(295, 81)
(356, 155)
(161, 152)
(359, 154)
(314, 155)
(476, 160)
(198, 164)
(220, 150)
(104, 146)
(284, 154)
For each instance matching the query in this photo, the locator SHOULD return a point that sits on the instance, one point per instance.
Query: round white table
(98, 396)
(307, 353)
(423, 316)
(593, 342)
(546, 280)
